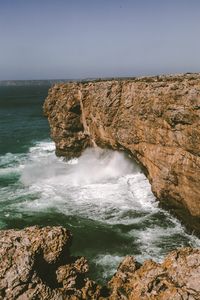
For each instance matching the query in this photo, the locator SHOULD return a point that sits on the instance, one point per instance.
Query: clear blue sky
(95, 38)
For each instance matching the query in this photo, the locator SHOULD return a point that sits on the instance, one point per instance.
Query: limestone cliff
(155, 119)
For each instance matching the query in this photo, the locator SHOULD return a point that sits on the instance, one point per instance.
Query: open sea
(102, 197)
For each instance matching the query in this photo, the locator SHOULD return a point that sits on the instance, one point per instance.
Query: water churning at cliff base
(102, 197)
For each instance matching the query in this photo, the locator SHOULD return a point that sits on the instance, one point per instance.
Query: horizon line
(103, 77)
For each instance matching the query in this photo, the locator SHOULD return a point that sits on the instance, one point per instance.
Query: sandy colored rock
(178, 277)
(155, 119)
(36, 264)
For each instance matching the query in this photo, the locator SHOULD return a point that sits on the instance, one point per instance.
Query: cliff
(36, 264)
(155, 119)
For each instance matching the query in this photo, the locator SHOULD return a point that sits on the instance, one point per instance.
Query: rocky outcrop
(155, 119)
(35, 263)
(178, 277)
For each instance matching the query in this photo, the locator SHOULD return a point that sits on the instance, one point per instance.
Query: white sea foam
(103, 179)
(10, 160)
(92, 167)
(92, 185)
(102, 186)
(108, 263)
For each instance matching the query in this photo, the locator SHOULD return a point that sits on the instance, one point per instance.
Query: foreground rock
(36, 264)
(155, 119)
(178, 277)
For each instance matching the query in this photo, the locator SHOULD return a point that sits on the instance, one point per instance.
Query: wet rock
(155, 119)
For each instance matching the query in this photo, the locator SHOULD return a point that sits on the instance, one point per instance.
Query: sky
(46, 39)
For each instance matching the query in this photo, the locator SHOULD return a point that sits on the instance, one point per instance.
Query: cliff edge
(155, 119)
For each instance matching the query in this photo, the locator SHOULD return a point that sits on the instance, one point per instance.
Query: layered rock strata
(36, 264)
(155, 119)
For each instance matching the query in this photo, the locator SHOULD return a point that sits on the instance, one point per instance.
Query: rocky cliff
(36, 264)
(155, 119)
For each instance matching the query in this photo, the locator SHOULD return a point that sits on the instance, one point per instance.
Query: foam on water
(102, 187)
(108, 264)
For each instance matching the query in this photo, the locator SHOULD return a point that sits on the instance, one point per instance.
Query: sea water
(102, 197)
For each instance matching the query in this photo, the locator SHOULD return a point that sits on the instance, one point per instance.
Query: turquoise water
(102, 197)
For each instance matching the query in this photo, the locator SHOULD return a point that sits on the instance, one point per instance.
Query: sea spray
(102, 197)
(93, 166)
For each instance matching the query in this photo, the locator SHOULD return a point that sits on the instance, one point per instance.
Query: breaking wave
(101, 195)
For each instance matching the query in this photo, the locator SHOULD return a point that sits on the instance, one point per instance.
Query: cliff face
(155, 119)
(36, 264)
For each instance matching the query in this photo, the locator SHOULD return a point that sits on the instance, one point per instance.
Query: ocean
(103, 198)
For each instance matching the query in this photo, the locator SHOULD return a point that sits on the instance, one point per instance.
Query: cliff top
(147, 79)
